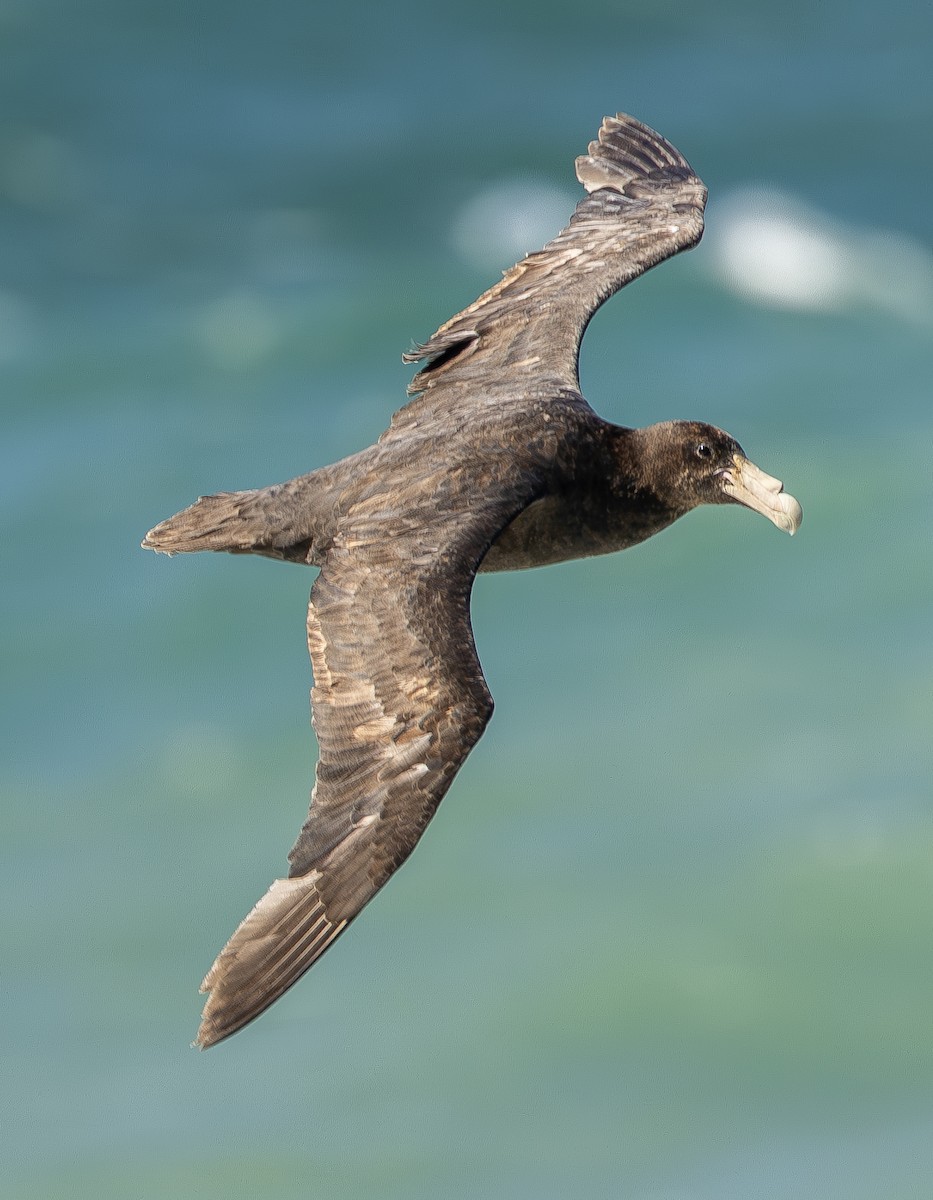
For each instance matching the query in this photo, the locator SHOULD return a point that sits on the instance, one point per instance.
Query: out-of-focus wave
(771, 247)
(504, 221)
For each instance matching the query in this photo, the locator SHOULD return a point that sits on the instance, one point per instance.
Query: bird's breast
(560, 527)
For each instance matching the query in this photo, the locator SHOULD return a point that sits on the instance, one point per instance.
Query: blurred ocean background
(670, 937)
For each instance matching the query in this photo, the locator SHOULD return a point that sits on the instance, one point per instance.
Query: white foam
(504, 221)
(237, 329)
(773, 249)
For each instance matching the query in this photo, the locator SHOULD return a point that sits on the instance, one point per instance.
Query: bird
(496, 463)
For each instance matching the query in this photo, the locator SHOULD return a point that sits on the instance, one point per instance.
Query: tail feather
(212, 523)
(276, 522)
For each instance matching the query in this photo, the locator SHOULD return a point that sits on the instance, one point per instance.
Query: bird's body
(498, 463)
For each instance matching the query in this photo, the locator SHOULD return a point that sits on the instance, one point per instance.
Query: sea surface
(670, 937)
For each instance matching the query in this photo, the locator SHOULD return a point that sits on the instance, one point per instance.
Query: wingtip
(208, 1036)
(224, 1014)
(626, 149)
(216, 1023)
(272, 947)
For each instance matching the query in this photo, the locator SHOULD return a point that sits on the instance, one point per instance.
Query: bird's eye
(704, 450)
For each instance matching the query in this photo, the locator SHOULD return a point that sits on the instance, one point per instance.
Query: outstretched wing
(398, 703)
(644, 204)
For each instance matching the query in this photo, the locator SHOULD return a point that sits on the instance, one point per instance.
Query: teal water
(669, 936)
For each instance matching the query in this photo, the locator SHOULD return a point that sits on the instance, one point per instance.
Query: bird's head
(692, 463)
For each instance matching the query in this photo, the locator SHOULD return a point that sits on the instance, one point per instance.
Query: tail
(277, 522)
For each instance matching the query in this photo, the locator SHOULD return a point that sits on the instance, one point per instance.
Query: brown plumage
(498, 463)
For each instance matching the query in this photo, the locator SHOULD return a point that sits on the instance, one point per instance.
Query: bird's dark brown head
(687, 463)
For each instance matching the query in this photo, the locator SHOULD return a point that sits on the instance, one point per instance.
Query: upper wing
(645, 204)
(399, 701)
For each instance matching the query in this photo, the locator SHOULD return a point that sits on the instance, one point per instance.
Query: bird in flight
(496, 463)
